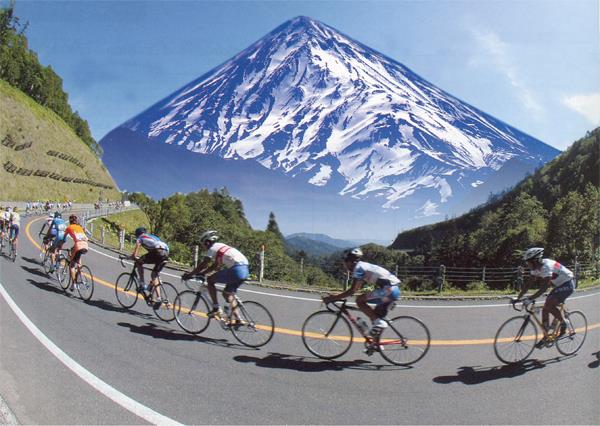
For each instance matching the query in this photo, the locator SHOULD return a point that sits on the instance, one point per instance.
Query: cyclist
(80, 246)
(234, 273)
(55, 235)
(4, 219)
(387, 288)
(550, 273)
(158, 253)
(14, 225)
(46, 239)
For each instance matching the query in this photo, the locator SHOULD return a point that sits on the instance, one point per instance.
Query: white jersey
(6, 216)
(222, 254)
(372, 273)
(557, 273)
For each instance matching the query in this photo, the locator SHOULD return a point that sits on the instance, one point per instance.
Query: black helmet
(353, 255)
(139, 231)
(57, 214)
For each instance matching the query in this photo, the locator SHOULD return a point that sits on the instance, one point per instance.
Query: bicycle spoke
(575, 335)
(163, 296)
(85, 283)
(126, 290)
(191, 311)
(255, 326)
(405, 341)
(515, 340)
(327, 335)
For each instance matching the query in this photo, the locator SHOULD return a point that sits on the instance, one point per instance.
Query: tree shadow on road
(596, 362)
(311, 365)
(476, 375)
(158, 332)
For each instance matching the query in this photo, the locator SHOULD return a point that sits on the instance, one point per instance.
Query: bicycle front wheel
(404, 341)
(575, 335)
(126, 290)
(163, 296)
(327, 335)
(84, 281)
(255, 327)
(63, 273)
(515, 340)
(191, 312)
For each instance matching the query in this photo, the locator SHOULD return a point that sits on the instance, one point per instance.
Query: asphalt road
(64, 361)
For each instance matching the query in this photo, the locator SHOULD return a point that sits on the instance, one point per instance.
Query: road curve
(63, 361)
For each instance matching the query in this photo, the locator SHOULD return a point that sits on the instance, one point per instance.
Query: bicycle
(84, 280)
(517, 337)
(12, 249)
(253, 328)
(159, 297)
(328, 334)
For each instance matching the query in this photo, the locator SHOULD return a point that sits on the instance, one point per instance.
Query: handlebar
(198, 280)
(523, 307)
(122, 258)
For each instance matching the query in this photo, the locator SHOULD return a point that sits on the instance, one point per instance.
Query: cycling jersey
(57, 228)
(77, 234)
(557, 273)
(374, 274)
(152, 242)
(222, 254)
(15, 218)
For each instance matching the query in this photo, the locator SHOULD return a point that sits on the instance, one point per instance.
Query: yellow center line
(292, 332)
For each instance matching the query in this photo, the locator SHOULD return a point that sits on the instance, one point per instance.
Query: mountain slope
(314, 104)
(42, 158)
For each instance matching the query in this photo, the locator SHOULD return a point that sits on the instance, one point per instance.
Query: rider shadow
(35, 271)
(596, 363)
(156, 332)
(46, 286)
(477, 375)
(31, 260)
(111, 307)
(311, 365)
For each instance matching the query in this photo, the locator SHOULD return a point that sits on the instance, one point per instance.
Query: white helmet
(353, 254)
(209, 236)
(533, 253)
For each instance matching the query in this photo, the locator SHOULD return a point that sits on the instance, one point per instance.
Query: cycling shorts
(383, 297)
(232, 277)
(158, 257)
(57, 244)
(48, 238)
(14, 231)
(76, 256)
(562, 292)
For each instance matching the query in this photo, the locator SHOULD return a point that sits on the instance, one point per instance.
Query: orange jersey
(77, 233)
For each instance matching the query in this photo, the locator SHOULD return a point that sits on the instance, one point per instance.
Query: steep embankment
(42, 158)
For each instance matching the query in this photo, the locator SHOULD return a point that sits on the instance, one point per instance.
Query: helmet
(209, 236)
(73, 219)
(353, 254)
(533, 253)
(57, 214)
(139, 231)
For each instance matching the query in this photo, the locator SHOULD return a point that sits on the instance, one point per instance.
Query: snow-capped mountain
(314, 104)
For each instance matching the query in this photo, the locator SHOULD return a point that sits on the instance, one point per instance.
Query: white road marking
(104, 388)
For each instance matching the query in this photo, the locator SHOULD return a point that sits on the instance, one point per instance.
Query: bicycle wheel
(190, 310)
(63, 273)
(84, 281)
(13, 252)
(46, 263)
(575, 335)
(404, 341)
(327, 335)
(163, 296)
(126, 290)
(256, 325)
(515, 340)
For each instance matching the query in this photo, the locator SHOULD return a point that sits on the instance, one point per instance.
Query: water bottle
(362, 325)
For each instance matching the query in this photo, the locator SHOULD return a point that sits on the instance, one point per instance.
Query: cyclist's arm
(356, 285)
(136, 250)
(545, 284)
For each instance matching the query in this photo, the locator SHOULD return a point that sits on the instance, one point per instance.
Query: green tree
(273, 227)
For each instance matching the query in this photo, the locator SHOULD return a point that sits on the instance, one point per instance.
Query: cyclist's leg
(363, 299)
(233, 279)
(556, 297)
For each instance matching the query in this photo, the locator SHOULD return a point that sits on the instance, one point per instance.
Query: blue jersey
(152, 242)
(58, 227)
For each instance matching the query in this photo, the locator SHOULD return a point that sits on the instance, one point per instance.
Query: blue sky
(534, 64)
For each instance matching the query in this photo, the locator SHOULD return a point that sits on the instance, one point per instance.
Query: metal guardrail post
(262, 264)
(121, 239)
(195, 256)
(102, 233)
(92, 228)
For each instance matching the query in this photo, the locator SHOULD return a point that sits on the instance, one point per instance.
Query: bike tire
(63, 273)
(515, 340)
(575, 335)
(84, 281)
(257, 326)
(327, 335)
(164, 295)
(404, 341)
(191, 312)
(126, 290)
(46, 263)
(13, 253)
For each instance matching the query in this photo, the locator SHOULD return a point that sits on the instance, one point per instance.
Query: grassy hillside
(32, 141)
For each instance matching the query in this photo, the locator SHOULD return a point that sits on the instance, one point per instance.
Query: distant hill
(42, 158)
(556, 207)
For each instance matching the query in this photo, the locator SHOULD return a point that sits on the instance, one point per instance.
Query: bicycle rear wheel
(163, 296)
(13, 252)
(327, 335)
(46, 263)
(126, 290)
(191, 312)
(404, 341)
(515, 340)
(63, 273)
(575, 335)
(256, 325)
(84, 281)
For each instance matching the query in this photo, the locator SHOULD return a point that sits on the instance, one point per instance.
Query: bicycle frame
(532, 313)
